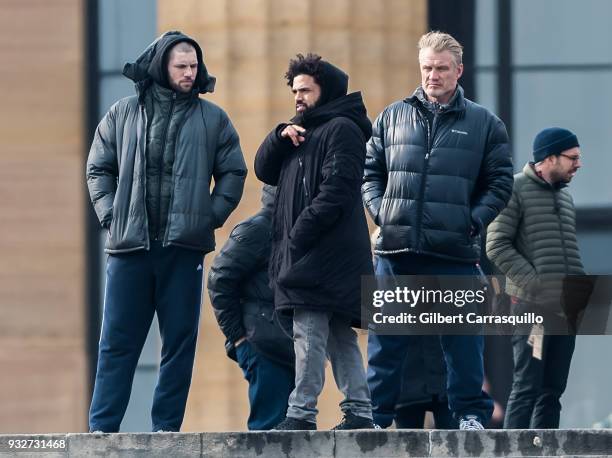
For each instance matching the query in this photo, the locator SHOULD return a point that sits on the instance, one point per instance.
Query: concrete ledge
(317, 444)
(268, 444)
(520, 443)
(130, 444)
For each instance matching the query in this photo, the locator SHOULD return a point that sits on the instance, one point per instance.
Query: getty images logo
(461, 132)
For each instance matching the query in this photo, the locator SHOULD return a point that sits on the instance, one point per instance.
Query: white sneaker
(470, 423)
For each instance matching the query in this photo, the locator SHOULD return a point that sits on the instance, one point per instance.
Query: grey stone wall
(318, 444)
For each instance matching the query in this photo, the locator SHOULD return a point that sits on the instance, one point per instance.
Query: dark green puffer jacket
(202, 144)
(533, 240)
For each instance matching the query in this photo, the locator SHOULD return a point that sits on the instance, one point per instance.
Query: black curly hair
(308, 65)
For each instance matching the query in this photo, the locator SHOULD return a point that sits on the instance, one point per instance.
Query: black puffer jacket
(429, 185)
(239, 289)
(206, 146)
(320, 238)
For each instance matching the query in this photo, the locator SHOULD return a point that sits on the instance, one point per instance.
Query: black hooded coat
(196, 147)
(320, 241)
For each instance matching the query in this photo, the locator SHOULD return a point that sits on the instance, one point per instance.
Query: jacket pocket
(299, 274)
(112, 240)
(268, 333)
(244, 359)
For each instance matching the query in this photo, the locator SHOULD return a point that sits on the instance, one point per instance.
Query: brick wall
(42, 360)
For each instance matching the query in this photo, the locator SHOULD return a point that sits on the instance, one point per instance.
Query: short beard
(176, 87)
(308, 109)
(560, 177)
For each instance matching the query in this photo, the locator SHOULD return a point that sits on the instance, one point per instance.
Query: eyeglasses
(574, 159)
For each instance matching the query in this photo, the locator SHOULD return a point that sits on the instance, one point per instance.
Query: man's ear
(459, 70)
(553, 159)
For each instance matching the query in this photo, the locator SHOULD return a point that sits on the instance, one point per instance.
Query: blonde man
(438, 171)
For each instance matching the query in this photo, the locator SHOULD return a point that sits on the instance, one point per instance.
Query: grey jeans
(319, 335)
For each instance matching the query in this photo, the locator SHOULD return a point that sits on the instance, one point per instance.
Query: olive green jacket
(533, 240)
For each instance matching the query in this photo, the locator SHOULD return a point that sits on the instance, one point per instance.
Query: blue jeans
(463, 354)
(166, 281)
(270, 384)
(537, 385)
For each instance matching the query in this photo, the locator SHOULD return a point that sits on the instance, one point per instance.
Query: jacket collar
(350, 106)
(163, 94)
(530, 171)
(456, 103)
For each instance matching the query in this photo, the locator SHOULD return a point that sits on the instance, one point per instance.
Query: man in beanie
(320, 241)
(149, 172)
(533, 242)
(438, 171)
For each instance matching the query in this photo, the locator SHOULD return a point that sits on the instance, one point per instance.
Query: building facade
(62, 75)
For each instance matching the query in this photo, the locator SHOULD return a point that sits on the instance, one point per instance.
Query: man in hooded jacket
(149, 172)
(320, 241)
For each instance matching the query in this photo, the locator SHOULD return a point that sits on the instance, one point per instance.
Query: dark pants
(463, 354)
(166, 281)
(537, 385)
(413, 416)
(270, 385)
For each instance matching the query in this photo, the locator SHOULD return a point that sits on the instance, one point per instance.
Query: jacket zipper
(430, 132)
(558, 212)
(144, 174)
(161, 166)
(170, 202)
(304, 184)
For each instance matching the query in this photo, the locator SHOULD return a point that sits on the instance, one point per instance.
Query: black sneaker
(352, 421)
(295, 424)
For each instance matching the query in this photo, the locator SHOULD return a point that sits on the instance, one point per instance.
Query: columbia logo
(199, 267)
(455, 131)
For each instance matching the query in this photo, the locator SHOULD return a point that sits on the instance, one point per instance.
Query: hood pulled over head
(152, 64)
(334, 100)
(333, 82)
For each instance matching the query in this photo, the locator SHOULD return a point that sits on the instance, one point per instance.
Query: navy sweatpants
(166, 281)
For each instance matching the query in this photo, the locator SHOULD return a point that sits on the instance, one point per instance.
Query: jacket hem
(205, 250)
(317, 308)
(426, 253)
(126, 250)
